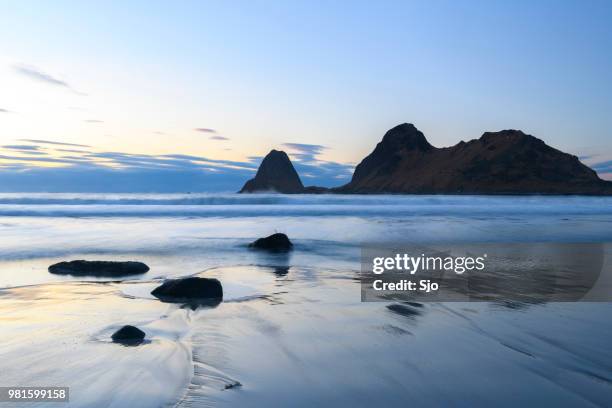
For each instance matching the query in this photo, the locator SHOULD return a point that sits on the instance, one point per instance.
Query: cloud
(603, 167)
(51, 142)
(5, 111)
(213, 137)
(25, 149)
(325, 174)
(304, 152)
(38, 75)
(222, 163)
(305, 148)
(120, 172)
(218, 137)
(71, 151)
(24, 160)
(85, 170)
(20, 147)
(113, 171)
(93, 121)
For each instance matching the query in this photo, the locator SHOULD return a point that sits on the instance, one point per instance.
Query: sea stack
(504, 162)
(275, 174)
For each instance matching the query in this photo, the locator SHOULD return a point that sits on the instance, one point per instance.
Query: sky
(188, 96)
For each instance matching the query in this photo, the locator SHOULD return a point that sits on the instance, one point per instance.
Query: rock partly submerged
(105, 269)
(278, 242)
(192, 290)
(128, 336)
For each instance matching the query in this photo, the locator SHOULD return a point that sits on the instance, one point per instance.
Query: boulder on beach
(275, 242)
(190, 290)
(128, 335)
(99, 268)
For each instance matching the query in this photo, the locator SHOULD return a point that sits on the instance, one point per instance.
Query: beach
(291, 329)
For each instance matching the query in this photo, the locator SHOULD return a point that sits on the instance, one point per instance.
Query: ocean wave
(232, 205)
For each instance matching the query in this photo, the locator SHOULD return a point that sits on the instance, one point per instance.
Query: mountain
(505, 162)
(275, 173)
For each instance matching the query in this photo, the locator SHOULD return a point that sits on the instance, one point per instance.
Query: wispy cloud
(205, 130)
(603, 167)
(71, 151)
(47, 159)
(38, 75)
(94, 121)
(5, 111)
(20, 147)
(211, 131)
(51, 142)
(305, 148)
(304, 152)
(83, 169)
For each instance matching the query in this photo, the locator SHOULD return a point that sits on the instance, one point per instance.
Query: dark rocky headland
(404, 162)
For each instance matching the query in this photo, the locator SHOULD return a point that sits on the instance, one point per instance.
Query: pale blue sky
(137, 78)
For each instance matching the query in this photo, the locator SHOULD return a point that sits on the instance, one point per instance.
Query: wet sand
(299, 337)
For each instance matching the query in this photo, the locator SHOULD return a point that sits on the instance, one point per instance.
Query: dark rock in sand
(129, 336)
(403, 310)
(192, 290)
(99, 268)
(232, 385)
(276, 174)
(275, 242)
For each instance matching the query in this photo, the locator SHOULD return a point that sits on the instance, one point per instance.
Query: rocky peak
(398, 141)
(405, 137)
(275, 173)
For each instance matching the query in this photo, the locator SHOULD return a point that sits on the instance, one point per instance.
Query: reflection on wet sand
(302, 342)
